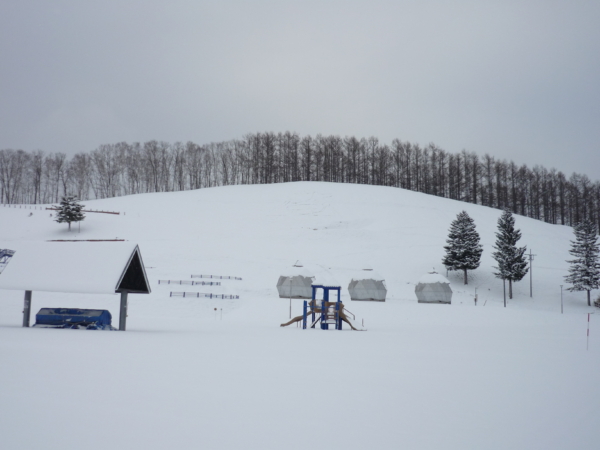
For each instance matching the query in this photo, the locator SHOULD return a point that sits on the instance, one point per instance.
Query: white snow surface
(430, 278)
(187, 376)
(295, 271)
(77, 267)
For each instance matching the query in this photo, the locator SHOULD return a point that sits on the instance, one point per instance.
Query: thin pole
(27, 309)
(531, 273)
(561, 300)
(587, 344)
(123, 312)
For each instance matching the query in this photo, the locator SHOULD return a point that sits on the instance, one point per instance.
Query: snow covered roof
(79, 267)
(295, 271)
(367, 275)
(433, 278)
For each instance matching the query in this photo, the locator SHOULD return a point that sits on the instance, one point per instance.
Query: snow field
(422, 377)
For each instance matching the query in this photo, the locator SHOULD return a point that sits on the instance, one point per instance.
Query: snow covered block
(367, 286)
(90, 319)
(433, 288)
(296, 282)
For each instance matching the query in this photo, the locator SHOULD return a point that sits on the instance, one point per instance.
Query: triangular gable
(76, 267)
(134, 277)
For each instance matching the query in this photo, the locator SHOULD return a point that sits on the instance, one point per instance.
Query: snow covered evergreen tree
(69, 210)
(584, 273)
(512, 264)
(463, 251)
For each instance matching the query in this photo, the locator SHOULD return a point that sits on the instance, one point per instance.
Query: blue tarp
(90, 319)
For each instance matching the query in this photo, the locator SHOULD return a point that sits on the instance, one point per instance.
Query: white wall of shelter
(295, 282)
(367, 286)
(433, 288)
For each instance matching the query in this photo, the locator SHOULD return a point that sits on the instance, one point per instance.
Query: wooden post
(27, 309)
(123, 312)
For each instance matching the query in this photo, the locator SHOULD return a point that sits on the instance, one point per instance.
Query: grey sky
(517, 79)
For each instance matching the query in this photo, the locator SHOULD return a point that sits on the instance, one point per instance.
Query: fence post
(123, 312)
(27, 309)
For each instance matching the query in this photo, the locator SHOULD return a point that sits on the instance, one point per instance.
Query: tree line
(122, 169)
(463, 253)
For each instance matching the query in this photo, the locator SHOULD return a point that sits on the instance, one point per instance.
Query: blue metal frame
(326, 289)
(304, 308)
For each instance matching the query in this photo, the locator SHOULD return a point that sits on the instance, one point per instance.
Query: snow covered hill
(185, 375)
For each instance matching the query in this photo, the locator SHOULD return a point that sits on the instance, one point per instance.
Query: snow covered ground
(186, 376)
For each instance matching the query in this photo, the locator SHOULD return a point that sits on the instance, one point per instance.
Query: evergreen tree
(584, 273)
(512, 264)
(70, 210)
(463, 251)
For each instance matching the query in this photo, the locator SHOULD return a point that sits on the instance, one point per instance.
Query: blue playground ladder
(329, 315)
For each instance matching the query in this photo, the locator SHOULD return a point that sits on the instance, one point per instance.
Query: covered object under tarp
(76, 267)
(433, 288)
(296, 282)
(91, 319)
(367, 286)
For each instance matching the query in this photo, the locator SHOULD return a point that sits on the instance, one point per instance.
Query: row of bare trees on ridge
(261, 158)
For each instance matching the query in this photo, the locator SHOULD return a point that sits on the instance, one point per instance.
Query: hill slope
(423, 376)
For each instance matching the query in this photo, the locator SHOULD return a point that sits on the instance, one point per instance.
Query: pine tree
(512, 264)
(70, 210)
(584, 273)
(463, 251)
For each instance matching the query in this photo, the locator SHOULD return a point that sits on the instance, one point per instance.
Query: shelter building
(367, 286)
(433, 288)
(295, 282)
(76, 267)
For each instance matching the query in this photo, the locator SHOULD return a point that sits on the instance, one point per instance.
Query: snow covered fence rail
(9, 205)
(91, 211)
(218, 277)
(86, 240)
(191, 282)
(200, 294)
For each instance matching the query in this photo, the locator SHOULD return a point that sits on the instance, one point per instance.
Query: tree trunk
(510, 289)
(69, 225)
(466, 276)
(588, 295)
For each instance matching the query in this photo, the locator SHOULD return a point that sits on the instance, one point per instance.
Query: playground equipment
(324, 311)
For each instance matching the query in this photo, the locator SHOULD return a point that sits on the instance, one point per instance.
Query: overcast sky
(516, 79)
